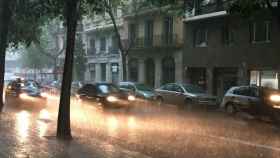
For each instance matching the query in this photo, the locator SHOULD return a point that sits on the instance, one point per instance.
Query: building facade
(222, 50)
(155, 42)
(104, 62)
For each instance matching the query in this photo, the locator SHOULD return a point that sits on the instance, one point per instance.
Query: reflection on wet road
(158, 131)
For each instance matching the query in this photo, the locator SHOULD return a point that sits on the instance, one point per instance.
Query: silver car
(138, 89)
(258, 101)
(184, 94)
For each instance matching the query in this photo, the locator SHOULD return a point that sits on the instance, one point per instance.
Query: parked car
(255, 100)
(138, 89)
(24, 92)
(184, 94)
(109, 95)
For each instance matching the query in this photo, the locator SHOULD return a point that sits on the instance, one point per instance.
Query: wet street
(146, 130)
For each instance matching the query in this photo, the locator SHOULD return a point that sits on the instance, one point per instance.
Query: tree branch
(41, 50)
(269, 5)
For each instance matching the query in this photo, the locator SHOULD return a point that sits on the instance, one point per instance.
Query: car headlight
(275, 98)
(131, 98)
(78, 96)
(44, 95)
(112, 99)
(23, 96)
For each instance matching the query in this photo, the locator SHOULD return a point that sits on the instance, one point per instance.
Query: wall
(264, 55)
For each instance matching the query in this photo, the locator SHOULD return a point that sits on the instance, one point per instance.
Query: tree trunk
(123, 52)
(63, 122)
(5, 17)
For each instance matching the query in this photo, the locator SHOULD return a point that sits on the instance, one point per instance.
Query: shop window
(103, 72)
(133, 70)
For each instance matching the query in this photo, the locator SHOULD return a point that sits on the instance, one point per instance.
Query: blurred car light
(45, 95)
(131, 98)
(24, 96)
(112, 99)
(275, 98)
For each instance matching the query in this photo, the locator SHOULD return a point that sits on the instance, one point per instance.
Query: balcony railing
(156, 41)
(105, 55)
(213, 7)
(113, 50)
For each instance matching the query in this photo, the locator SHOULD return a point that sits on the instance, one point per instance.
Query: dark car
(109, 95)
(185, 94)
(24, 92)
(255, 100)
(138, 89)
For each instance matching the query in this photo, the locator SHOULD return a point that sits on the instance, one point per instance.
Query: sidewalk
(24, 136)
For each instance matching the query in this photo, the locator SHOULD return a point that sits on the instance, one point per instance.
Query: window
(92, 43)
(193, 88)
(244, 91)
(115, 45)
(228, 36)
(149, 31)
(177, 88)
(201, 37)
(168, 87)
(88, 88)
(103, 71)
(91, 67)
(127, 87)
(91, 46)
(115, 72)
(133, 32)
(261, 32)
(105, 89)
(133, 70)
(103, 44)
(168, 30)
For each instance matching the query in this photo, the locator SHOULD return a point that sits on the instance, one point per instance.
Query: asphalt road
(163, 131)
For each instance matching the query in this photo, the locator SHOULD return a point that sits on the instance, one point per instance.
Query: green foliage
(27, 17)
(253, 8)
(31, 58)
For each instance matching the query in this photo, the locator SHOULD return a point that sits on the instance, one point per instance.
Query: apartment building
(222, 50)
(104, 62)
(155, 40)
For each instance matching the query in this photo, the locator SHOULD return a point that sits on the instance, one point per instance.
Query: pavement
(146, 131)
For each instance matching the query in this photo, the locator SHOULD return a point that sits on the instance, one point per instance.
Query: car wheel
(276, 117)
(159, 100)
(230, 109)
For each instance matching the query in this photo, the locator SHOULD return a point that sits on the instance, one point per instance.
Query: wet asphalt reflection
(155, 130)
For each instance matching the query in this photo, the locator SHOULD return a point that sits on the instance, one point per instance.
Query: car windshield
(193, 89)
(142, 87)
(107, 88)
(29, 85)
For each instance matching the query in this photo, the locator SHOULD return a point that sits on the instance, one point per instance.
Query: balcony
(203, 11)
(91, 51)
(157, 41)
(213, 7)
(105, 55)
(113, 50)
